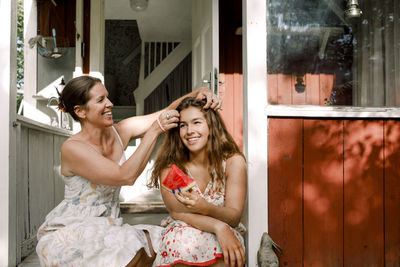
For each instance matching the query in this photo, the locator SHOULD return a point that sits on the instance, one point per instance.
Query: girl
(204, 224)
(85, 228)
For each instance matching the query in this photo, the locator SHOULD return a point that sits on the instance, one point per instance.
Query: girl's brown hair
(220, 144)
(76, 93)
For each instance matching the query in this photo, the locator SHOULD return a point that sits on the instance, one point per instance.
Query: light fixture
(139, 5)
(353, 11)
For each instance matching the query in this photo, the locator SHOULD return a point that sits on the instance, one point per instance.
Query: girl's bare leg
(141, 258)
(220, 263)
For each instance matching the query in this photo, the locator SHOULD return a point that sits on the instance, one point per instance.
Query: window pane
(320, 52)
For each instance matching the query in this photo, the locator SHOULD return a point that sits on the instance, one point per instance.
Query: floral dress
(85, 228)
(182, 243)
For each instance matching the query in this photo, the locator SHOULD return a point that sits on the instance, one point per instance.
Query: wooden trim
(331, 111)
(86, 37)
(32, 124)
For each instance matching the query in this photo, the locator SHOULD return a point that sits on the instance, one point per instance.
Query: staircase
(159, 59)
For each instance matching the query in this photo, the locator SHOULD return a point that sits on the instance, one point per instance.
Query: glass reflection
(333, 52)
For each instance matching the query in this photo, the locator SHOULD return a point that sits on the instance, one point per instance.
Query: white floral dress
(182, 243)
(85, 228)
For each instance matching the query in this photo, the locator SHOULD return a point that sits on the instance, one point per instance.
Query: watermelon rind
(174, 170)
(184, 189)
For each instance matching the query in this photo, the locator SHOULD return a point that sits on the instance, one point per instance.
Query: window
(318, 55)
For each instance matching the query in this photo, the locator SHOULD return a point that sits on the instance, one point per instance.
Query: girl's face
(193, 129)
(98, 108)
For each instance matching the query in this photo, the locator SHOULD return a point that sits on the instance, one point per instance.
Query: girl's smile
(193, 129)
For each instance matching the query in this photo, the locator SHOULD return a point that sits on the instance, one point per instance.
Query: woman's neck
(95, 135)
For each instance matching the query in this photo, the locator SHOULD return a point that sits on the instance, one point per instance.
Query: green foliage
(20, 51)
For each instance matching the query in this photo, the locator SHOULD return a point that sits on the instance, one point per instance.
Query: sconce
(300, 87)
(352, 11)
(138, 5)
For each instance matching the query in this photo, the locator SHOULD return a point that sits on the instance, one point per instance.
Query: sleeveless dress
(182, 243)
(85, 229)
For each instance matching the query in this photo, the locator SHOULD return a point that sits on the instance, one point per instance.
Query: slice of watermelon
(177, 178)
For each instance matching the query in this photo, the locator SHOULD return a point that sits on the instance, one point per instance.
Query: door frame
(255, 123)
(255, 118)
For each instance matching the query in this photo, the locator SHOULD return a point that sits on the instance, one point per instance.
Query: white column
(255, 122)
(7, 141)
(97, 29)
(30, 54)
(78, 41)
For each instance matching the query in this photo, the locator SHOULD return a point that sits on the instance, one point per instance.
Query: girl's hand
(192, 201)
(213, 101)
(231, 247)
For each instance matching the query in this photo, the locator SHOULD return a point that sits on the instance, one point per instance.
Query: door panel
(205, 43)
(333, 191)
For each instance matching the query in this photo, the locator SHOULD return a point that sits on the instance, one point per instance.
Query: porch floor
(31, 261)
(131, 212)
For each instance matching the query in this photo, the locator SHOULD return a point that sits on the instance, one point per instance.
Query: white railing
(159, 72)
(39, 183)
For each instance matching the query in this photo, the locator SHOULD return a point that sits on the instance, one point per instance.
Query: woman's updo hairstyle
(76, 93)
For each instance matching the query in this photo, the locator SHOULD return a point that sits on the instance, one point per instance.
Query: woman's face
(193, 129)
(98, 108)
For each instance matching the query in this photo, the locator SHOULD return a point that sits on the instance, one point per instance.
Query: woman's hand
(192, 201)
(168, 119)
(213, 101)
(231, 247)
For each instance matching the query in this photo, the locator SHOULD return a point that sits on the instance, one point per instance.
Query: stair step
(143, 207)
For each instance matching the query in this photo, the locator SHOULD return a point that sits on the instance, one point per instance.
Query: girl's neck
(197, 159)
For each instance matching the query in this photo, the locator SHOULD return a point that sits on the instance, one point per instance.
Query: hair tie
(159, 124)
(61, 105)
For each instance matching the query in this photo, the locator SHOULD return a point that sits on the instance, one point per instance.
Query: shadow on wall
(334, 191)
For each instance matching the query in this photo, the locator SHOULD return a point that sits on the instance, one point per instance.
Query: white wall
(7, 133)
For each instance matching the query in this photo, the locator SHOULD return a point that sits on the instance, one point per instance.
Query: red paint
(334, 191)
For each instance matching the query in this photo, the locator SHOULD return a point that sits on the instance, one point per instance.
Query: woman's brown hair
(76, 93)
(220, 144)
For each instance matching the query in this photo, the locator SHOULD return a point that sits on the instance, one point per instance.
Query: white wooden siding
(39, 184)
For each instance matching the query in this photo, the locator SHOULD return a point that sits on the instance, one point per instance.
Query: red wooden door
(334, 191)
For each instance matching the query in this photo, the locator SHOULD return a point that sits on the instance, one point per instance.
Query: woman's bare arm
(137, 126)
(79, 158)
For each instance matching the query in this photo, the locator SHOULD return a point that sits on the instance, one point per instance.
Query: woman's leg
(141, 258)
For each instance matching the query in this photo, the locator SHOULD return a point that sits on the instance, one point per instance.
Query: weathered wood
(39, 185)
(58, 181)
(363, 193)
(285, 193)
(231, 93)
(41, 182)
(392, 193)
(323, 193)
(347, 205)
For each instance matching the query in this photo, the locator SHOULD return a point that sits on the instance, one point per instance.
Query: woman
(85, 228)
(200, 229)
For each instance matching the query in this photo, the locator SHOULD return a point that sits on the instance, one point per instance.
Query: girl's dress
(182, 243)
(85, 228)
